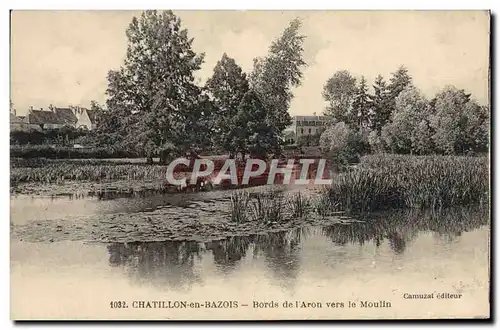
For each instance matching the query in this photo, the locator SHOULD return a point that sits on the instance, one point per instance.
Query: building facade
(304, 126)
(54, 118)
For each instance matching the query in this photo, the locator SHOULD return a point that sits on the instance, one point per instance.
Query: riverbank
(403, 181)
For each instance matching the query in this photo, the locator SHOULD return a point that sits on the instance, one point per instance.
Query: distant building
(54, 118)
(20, 123)
(303, 126)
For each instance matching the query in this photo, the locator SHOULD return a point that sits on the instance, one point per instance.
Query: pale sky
(62, 57)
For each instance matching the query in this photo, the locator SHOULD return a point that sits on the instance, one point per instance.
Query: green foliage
(409, 131)
(342, 145)
(253, 134)
(381, 106)
(228, 85)
(460, 125)
(239, 204)
(299, 205)
(396, 181)
(153, 101)
(268, 207)
(360, 114)
(76, 171)
(275, 75)
(61, 152)
(310, 140)
(66, 136)
(399, 81)
(339, 92)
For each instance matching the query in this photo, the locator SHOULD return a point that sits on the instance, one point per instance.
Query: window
(309, 131)
(301, 131)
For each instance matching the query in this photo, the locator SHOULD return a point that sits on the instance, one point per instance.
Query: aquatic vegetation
(299, 205)
(323, 206)
(56, 172)
(239, 204)
(268, 206)
(397, 181)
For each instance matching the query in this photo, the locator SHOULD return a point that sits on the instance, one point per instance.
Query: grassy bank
(60, 152)
(398, 181)
(379, 182)
(57, 172)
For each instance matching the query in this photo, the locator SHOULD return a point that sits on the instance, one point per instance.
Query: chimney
(31, 108)
(51, 108)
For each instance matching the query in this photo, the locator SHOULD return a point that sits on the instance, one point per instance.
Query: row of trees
(155, 107)
(398, 118)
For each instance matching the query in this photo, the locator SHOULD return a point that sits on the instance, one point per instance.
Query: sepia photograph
(250, 165)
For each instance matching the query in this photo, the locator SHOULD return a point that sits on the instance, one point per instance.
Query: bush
(342, 145)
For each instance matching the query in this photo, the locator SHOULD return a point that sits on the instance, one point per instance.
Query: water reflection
(175, 263)
(159, 263)
(401, 227)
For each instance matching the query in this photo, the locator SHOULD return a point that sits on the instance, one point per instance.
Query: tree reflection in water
(173, 264)
(169, 263)
(403, 226)
(228, 252)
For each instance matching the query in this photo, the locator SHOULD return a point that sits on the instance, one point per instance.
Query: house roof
(66, 114)
(92, 115)
(308, 118)
(45, 117)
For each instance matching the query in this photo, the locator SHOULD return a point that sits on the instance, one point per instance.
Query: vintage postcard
(249, 165)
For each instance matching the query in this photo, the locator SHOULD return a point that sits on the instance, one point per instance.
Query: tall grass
(59, 172)
(299, 205)
(239, 203)
(397, 181)
(268, 206)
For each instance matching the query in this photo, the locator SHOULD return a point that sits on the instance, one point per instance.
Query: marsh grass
(323, 206)
(397, 181)
(239, 204)
(385, 182)
(57, 172)
(268, 206)
(299, 205)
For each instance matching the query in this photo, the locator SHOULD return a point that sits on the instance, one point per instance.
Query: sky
(63, 57)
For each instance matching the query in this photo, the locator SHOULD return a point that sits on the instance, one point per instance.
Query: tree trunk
(149, 160)
(163, 157)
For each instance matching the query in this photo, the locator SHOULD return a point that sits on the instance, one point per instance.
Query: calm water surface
(378, 260)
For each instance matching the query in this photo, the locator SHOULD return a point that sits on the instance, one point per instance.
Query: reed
(57, 172)
(397, 181)
(239, 204)
(299, 205)
(268, 207)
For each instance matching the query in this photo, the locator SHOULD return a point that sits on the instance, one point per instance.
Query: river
(344, 270)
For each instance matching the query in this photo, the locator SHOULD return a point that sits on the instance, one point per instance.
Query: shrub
(342, 145)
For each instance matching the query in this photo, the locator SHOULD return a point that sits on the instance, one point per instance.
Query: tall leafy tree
(460, 124)
(409, 130)
(253, 135)
(399, 80)
(339, 93)
(275, 75)
(227, 87)
(380, 111)
(359, 118)
(154, 92)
